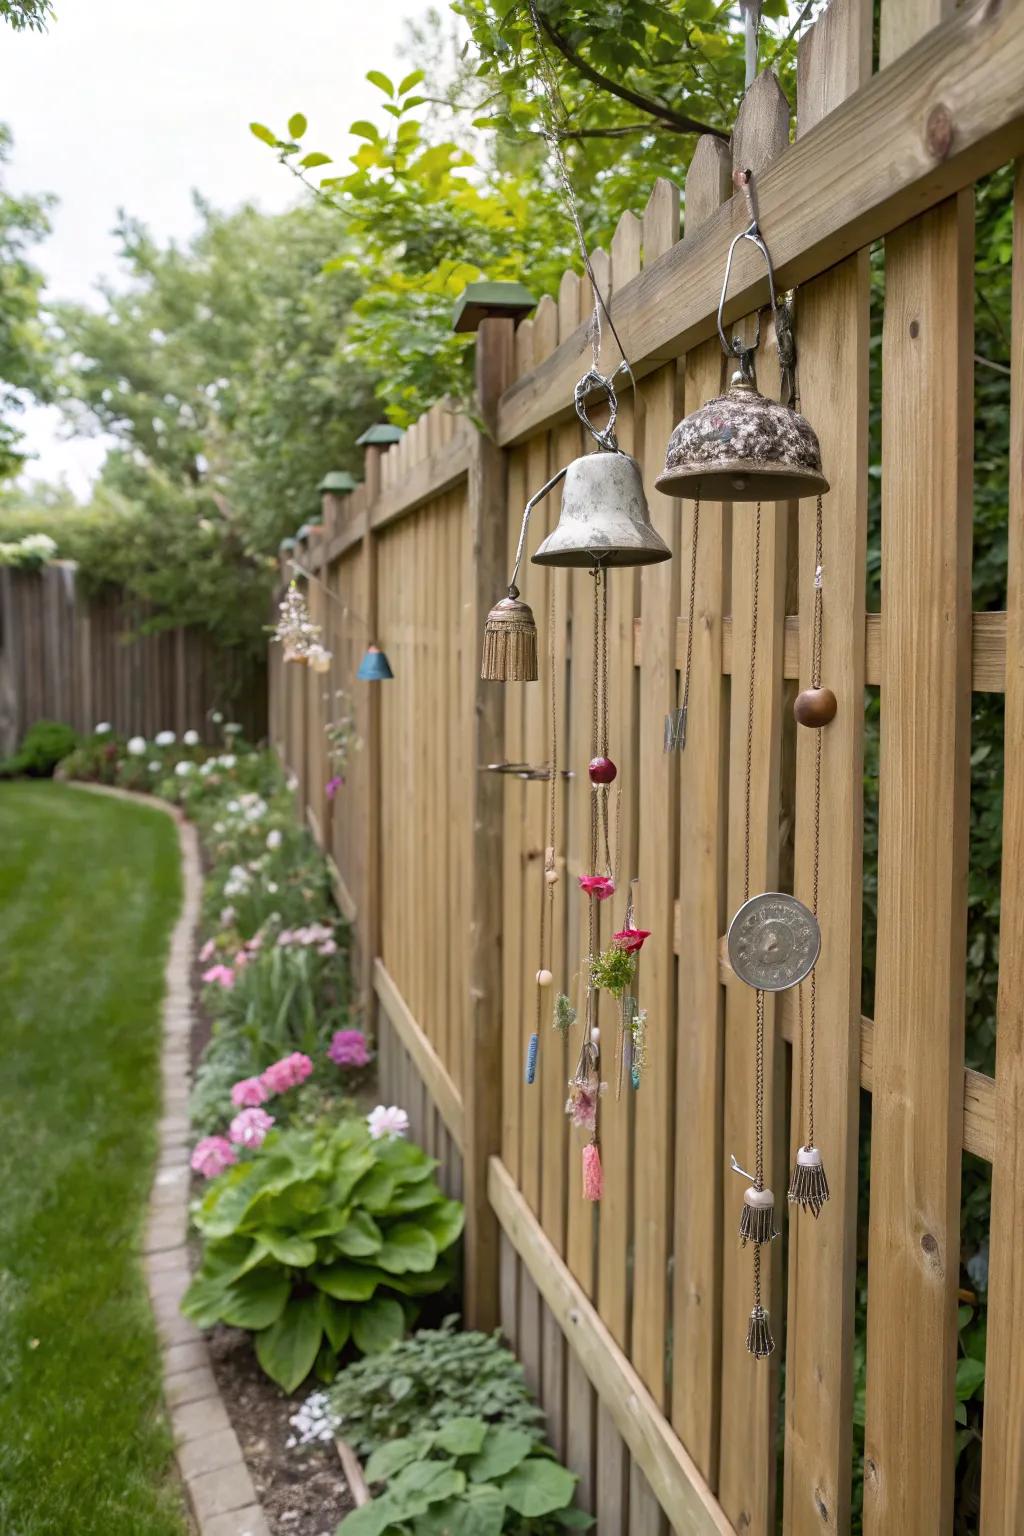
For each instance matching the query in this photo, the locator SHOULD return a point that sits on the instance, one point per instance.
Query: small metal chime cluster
(743, 447)
(604, 523)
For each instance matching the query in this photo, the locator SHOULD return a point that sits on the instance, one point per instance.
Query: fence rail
(630, 1318)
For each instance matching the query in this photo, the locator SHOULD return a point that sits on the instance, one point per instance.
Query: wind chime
(742, 447)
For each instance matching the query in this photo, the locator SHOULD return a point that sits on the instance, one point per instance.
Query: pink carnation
(597, 885)
(348, 1048)
(207, 952)
(332, 786)
(212, 1155)
(222, 975)
(249, 1091)
(249, 1129)
(287, 1073)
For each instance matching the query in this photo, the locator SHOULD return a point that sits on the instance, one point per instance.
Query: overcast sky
(132, 103)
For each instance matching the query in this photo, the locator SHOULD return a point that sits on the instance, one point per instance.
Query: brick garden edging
(220, 1490)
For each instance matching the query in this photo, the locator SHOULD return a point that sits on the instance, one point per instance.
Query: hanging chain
(750, 703)
(547, 905)
(690, 607)
(816, 645)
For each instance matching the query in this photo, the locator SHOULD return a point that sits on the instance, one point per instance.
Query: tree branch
(656, 109)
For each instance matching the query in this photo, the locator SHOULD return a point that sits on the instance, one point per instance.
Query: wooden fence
(82, 662)
(630, 1317)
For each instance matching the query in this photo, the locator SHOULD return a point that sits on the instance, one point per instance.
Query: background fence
(630, 1317)
(82, 661)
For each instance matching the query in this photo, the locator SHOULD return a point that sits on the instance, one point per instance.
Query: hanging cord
(816, 645)
(759, 1005)
(553, 116)
(691, 600)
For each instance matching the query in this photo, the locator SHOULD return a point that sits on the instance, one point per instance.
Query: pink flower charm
(581, 1105)
(220, 975)
(631, 939)
(212, 1155)
(249, 1129)
(600, 886)
(387, 1121)
(332, 786)
(287, 1073)
(248, 1092)
(348, 1048)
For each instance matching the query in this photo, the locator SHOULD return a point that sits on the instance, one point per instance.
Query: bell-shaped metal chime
(604, 521)
(374, 667)
(742, 446)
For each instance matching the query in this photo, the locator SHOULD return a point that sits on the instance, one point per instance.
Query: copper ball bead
(602, 770)
(815, 707)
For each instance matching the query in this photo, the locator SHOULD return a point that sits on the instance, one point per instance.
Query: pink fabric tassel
(593, 1174)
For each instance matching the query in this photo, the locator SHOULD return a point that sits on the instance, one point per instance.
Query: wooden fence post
(481, 1082)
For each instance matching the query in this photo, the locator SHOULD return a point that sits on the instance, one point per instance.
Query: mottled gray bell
(604, 518)
(743, 447)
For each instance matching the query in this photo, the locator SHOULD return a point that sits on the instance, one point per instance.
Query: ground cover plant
(89, 891)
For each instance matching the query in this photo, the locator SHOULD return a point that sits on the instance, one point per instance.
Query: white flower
(155, 767)
(227, 760)
(227, 916)
(205, 769)
(216, 717)
(274, 839)
(292, 782)
(232, 728)
(104, 728)
(184, 768)
(218, 828)
(164, 739)
(390, 1121)
(136, 746)
(272, 887)
(191, 739)
(39, 544)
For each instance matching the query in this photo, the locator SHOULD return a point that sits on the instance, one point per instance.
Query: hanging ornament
(295, 630)
(808, 1186)
(742, 446)
(374, 667)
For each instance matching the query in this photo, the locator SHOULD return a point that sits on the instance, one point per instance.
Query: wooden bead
(815, 707)
(544, 978)
(551, 876)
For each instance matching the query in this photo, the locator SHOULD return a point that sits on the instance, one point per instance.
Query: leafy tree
(23, 348)
(27, 15)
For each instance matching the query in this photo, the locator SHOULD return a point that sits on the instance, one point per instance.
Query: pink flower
(207, 952)
(332, 786)
(241, 959)
(256, 942)
(284, 938)
(387, 1121)
(249, 1091)
(249, 1129)
(348, 1048)
(221, 975)
(631, 939)
(328, 947)
(600, 886)
(212, 1155)
(287, 1073)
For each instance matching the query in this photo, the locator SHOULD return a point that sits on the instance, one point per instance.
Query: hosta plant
(322, 1238)
(470, 1478)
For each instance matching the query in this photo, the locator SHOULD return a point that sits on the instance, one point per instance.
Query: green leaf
(287, 1350)
(372, 1520)
(970, 1375)
(480, 1511)
(393, 110)
(349, 1282)
(261, 131)
(417, 101)
(364, 130)
(538, 1486)
(257, 1299)
(407, 1246)
(377, 1325)
(502, 1450)
(409, 81)
(444, 1223)
(380, 80)
(375, 1191)
(203, 1302)
(360, 1237)
(296, 1251)
(336, 1317)
(462, 1437)
(396, 1454)
(314, 159)
(297, 125)
(423, 1483)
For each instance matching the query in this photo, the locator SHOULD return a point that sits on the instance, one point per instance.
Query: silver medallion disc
(773, 941)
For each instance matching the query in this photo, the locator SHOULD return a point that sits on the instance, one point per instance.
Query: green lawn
(89, 891)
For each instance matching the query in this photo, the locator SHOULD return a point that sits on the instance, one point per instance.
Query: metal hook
(745, 182)
(737, 1169)
(513, 590)
(604, 437)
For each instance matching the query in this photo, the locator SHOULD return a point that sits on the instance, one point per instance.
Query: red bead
(602, 770)
(815, 707)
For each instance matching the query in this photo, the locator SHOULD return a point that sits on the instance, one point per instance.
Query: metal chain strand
(816, 649)
(750, 703)
(691, 601)
(759, 1095)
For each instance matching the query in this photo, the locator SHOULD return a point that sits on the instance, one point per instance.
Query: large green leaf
(502, 1450)
(257, 1299)
(407, 1247)
(360, 1237)
(414, 1197)
(390, 1458)
(538, 1486)
(336, 1317)
(377, 1325)
(374, 1191)
(421, 1285)
(423, 1483)
(462, 1436)
(480, 1511)
(372, 1520)
(226, 1258)
(204, 1300)
(349, 1282)
(444, 1222)
(287, 1350)
(287, 1248)
(405, 1160)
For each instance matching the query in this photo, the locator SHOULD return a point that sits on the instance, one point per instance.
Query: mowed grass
(89, 892)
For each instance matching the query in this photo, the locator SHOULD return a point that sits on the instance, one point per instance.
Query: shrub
(428, 1379)
(45, 744)
(322, 1237)
(471, 1477)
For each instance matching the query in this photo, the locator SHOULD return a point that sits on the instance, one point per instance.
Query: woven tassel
(808, 1187)
(757, 1222)
(593, 1174)
(531, 1058)
(759, 1334)
(510, 642)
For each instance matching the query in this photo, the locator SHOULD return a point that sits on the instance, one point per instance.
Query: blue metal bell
(374, 667)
